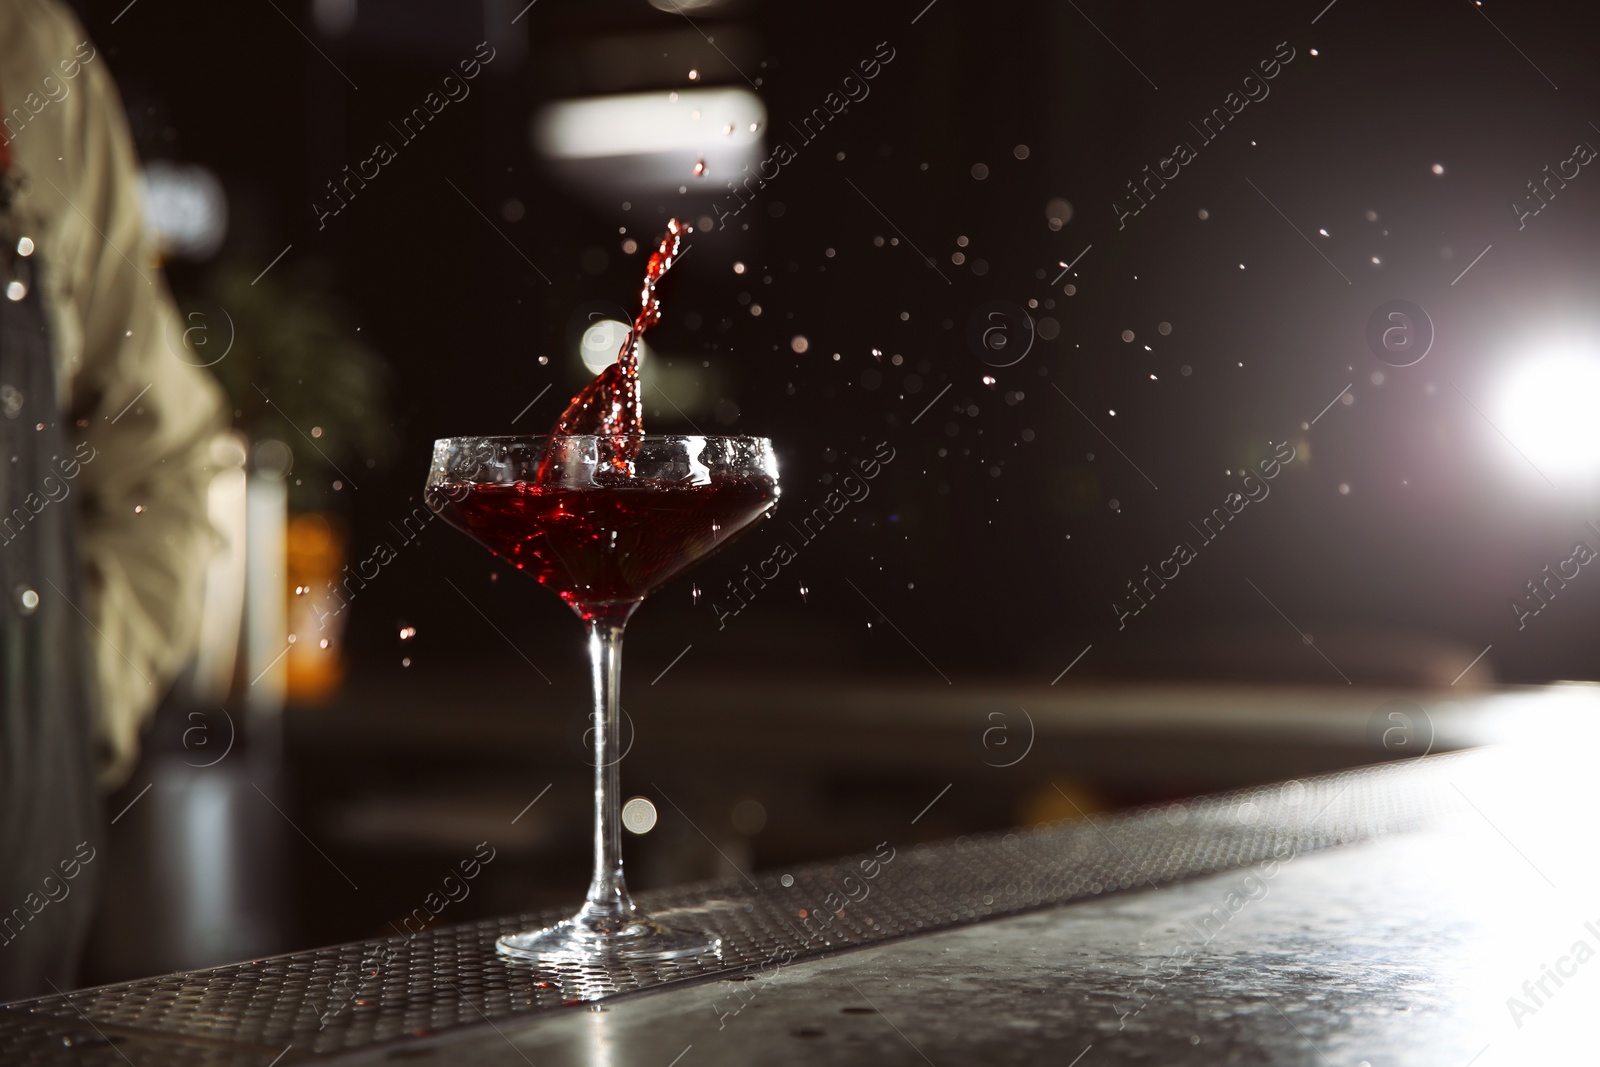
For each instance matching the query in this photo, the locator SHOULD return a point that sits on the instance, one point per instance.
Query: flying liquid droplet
(700, 168)
(694, 75)
(989, 380)
(407, 632)
(804, 593)
(694, 593)
(727, 131)
(877, 354)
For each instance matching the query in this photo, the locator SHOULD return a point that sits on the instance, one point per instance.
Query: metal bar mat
(310, 1005)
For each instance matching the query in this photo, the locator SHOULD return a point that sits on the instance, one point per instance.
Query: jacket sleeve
(145, 412)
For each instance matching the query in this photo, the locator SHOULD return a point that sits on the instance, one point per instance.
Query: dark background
(1013, 545)
(991, 549)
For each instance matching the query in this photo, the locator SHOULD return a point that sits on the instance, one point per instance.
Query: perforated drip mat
(333, 1000)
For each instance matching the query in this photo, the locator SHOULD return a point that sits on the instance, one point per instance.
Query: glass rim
(649, 437)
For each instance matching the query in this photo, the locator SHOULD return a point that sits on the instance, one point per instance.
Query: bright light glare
(645, 123)
(602, 341)
(1548, 407)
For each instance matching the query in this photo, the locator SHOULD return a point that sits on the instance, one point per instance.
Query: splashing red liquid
(610, 406)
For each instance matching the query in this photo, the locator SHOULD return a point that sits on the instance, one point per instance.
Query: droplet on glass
(1127, 335)
(316, 431)
(798, 343)
(405, 662)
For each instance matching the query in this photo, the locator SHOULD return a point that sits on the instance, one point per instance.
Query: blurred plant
(298, 371)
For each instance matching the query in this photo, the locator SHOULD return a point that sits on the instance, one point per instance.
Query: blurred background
(961, 236)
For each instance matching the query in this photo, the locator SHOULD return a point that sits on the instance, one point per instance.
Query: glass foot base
(574, 941)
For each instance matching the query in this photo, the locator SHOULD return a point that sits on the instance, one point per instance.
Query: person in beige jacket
(105, 424)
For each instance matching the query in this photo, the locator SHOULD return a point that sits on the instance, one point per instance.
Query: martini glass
(603, 522)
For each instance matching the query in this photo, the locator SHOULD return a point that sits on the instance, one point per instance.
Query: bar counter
(1421, 911)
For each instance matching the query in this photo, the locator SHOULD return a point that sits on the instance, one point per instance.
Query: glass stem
(609, 909)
